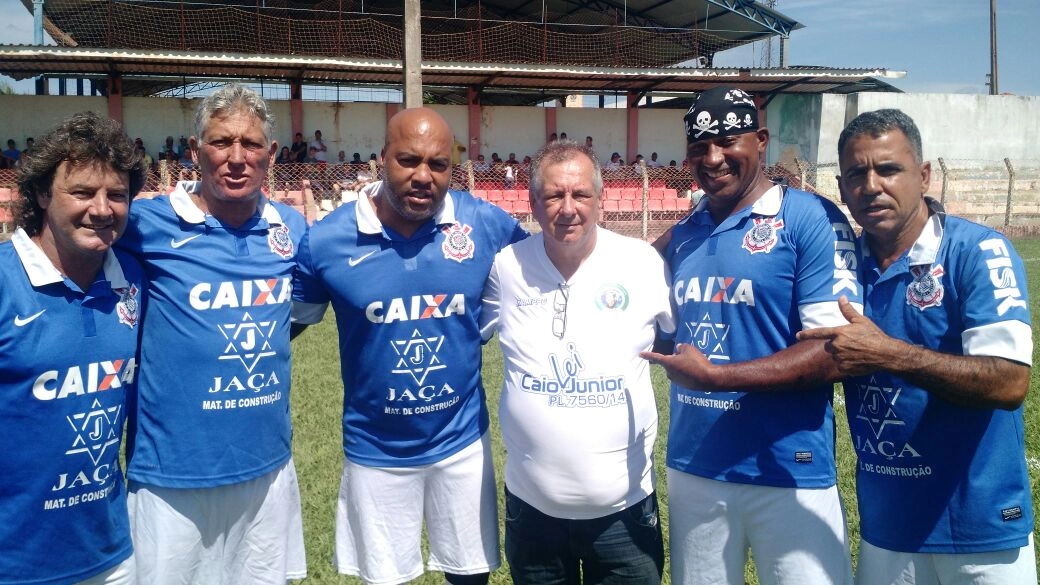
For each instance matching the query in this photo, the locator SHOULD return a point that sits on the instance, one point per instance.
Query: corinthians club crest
(926, 290)
(279, 241)
(457, 246)
(128, 308)
(762, 235)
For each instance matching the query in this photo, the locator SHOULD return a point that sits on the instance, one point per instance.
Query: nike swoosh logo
(20, 321)
(178, 243)
(355, 261)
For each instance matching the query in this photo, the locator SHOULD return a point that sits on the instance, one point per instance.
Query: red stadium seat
(610, 205)
(494, 195)
(612, 193)
(522, 206)
(657, 193)
(670, 193)
(632, 194)
(523, 195)
(629, 205)
(479, 193)
(510, 194)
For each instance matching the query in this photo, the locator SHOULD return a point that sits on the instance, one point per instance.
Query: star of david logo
(417, 356)
(709, 337)
(877, 405)
(96, 430)
(248, 341)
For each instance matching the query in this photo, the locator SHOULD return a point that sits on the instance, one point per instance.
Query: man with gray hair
(213, 490)
(574, 306)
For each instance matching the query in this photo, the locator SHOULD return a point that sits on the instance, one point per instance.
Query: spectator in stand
(456, 151)
(11, 155)
(285, 156)
(298, 148)
(312, 155)
(184, 152)
(357, 159)
(653, 162)
(614, 164)
(588, 142)
(341, 157)
(552, 137)
(146, 160)
(512, 159)
(169, 150)
(638, 168)
(321, 150)
(563, 136)
(671, 163)
(28, 145)
(495, 159)
(481, 166)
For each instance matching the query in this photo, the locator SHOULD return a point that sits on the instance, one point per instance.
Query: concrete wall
(608, 128)
(662, 131)
(26, 116)
(505, 129)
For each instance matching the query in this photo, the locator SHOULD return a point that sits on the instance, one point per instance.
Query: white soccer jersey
(577, 411)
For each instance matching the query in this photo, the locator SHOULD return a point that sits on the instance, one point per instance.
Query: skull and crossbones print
(705, 124)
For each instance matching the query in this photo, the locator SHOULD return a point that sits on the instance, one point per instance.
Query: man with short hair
(70, 310)
(213, 489)
(321, 150)
(937, 371)
(404, 267)
(751, 440)
(298, 148)
(11, 154)
(574, 306)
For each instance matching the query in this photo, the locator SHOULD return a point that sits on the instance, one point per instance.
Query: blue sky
(943, 45)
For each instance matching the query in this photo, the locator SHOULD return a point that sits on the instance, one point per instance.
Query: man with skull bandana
(751, 440)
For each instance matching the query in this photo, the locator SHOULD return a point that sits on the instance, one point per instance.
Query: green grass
(317, 406)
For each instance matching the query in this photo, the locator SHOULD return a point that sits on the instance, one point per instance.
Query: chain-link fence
(638, 200)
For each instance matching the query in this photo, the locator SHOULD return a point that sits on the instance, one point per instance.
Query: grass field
(317, 405)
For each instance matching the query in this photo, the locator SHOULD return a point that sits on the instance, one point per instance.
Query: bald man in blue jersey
(404, 268)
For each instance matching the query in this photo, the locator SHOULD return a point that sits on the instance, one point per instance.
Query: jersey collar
(368, 222)
(185, 207)
(42, 272)
(768, 204)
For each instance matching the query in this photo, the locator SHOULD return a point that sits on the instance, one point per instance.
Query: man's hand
(858, 348)
(687, 367)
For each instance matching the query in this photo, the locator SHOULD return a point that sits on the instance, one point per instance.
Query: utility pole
(412, 55)
(994, 86)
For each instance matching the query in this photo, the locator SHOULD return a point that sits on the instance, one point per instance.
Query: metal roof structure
(652, 38)
(23, 62)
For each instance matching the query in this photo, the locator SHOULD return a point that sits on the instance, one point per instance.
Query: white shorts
(124, 573)
(380, 512)
(878, 566)
(249, 533)
(796, 535)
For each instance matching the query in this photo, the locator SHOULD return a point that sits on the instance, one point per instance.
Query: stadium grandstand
(651, 53)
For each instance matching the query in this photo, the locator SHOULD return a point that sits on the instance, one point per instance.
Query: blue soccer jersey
(67, 364)
(407, 310)
(934, 476)
(214, 398)
(743, 289)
